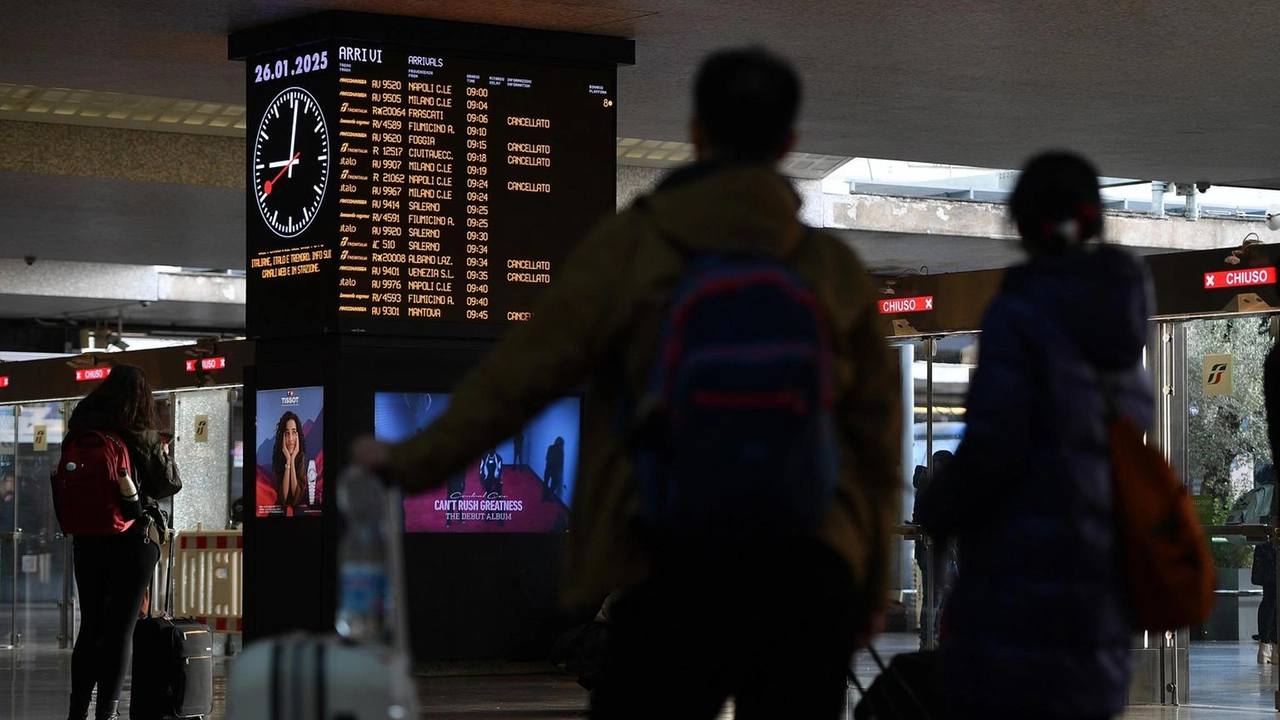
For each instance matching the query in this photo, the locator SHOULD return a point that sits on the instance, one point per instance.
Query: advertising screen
(522, 484)
(290, 455)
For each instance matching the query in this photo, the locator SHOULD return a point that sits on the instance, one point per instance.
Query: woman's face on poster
(290, 436)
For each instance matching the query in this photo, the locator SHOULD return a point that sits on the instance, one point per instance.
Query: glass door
(1213, 426)
(9, 546)
(934, 375)
(38, 553)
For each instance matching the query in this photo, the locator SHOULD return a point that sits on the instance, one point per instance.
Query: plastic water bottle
(366, 601)
(128, 490)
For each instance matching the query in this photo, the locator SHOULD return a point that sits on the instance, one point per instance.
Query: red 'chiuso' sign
(896, 306)
(1239, 278)
(4, 381)
(212, 363)
(87, 374)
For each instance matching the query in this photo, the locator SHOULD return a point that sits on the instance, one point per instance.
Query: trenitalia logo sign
(1216, 373)
(897, 306)
(1217, 377)
(1239, 278)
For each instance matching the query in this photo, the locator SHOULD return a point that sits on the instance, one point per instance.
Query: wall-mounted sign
(40, 440)
(209, 363)
(895, 306)
(88, 374)
(1218, 376)
(202, 428)
(1239, 278)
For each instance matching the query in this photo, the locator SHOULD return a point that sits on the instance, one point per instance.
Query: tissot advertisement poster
(290, 455)
(522, 484)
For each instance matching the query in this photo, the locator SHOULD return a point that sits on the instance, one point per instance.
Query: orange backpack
(1167, 566)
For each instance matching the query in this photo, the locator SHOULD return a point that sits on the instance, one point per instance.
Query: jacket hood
(727, 207)
(1098, 296)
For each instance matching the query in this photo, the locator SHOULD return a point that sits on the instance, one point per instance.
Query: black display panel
(396, 190)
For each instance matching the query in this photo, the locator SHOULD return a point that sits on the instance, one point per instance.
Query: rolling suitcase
(172, 664)
(303, 676)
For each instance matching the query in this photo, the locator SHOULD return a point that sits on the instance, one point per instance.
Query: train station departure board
(399, 190)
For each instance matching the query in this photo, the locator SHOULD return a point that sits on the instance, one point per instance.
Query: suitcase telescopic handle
(168, 595)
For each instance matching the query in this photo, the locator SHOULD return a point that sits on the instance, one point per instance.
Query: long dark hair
(277, 452)
(124, 400)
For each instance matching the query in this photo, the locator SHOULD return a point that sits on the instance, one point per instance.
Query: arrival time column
(477, 197)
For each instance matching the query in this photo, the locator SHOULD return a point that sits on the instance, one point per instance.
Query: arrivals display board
(401, 190)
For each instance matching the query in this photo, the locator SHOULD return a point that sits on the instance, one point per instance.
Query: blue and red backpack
(86, 484)
(736, 437)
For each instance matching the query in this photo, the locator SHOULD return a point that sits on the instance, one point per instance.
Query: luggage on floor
(172, 664)
(302, 676)
(319, 677)
(904, 690)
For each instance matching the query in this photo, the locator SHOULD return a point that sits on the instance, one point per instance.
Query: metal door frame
(1171, 368)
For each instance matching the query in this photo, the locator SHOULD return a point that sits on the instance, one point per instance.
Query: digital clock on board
(291, 162)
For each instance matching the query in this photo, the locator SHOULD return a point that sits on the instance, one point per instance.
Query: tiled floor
(35, 678)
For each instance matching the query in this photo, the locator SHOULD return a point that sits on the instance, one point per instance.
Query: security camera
(30, 259)
(145, 303)
(1203, 186)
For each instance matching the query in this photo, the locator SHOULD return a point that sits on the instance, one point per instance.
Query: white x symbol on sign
(1208, 280)
(928, 303)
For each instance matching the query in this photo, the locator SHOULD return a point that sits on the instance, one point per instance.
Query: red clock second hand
(266, 187)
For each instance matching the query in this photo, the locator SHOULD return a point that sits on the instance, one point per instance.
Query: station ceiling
(1171, 90)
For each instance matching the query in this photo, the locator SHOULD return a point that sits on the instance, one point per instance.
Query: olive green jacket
(598, 326)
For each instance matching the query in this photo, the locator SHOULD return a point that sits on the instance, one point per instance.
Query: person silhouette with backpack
(1041, 602)
(115, 464)
(739, 479)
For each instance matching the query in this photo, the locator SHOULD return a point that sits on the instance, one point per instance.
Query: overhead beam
(141, 155)
(113, 283)
(951, 218)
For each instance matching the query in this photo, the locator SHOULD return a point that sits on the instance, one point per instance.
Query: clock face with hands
(291, 162)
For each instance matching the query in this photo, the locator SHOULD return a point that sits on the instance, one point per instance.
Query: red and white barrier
(208, 578)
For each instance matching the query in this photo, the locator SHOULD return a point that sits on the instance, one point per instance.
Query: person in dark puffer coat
(1037, 625)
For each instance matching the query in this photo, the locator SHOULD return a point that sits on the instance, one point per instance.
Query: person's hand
(369, 453)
